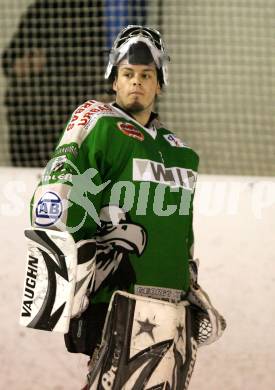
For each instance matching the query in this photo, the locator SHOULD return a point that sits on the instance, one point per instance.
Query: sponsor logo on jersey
(57, 163)
(174, 141)
(130, 130)
(82, 119)
(48, 209)
(162, 293)
(73, 149)
(56, 170)
(63, 177)
(147, 170)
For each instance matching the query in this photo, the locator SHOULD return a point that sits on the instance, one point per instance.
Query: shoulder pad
(84, 119)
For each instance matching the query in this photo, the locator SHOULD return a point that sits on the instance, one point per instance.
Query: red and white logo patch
(91, 107)
(130, 130)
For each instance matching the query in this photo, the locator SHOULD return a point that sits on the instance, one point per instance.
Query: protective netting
(221, 94)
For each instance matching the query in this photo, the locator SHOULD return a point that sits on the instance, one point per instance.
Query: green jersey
(128, 191)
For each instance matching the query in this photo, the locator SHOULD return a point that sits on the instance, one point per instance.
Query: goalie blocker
(59, 274)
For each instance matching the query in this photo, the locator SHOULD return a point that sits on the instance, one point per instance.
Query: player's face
(136, 87)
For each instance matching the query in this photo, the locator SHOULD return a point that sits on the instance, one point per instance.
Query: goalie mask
(140, 45)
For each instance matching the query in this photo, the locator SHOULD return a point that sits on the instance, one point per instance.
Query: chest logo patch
(156, 172)
(174, 141)
(130, 130)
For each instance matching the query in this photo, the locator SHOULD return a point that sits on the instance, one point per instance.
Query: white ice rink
(235, 241)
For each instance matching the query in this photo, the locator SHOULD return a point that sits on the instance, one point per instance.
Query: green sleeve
(75, 179)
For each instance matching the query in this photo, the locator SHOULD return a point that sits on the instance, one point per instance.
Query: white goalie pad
(52, 280)
(147, 344)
